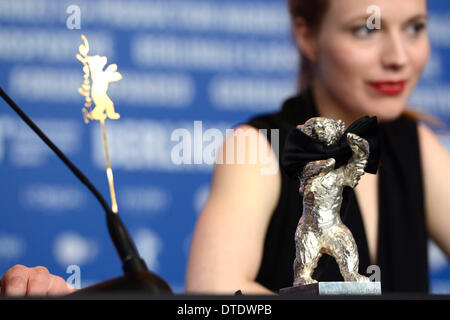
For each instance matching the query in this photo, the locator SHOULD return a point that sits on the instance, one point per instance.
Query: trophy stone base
(334, 288)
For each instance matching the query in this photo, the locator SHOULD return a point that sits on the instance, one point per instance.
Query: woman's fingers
(38, 281)
(59, 287)
(20, 281)
(15, 281)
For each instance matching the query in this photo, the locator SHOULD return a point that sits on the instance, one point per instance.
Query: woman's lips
(389, 88)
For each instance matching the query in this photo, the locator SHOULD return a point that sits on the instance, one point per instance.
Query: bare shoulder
(435, 161)
(430, 146)
(246, 159)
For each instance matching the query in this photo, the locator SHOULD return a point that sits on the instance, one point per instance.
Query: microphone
(136, 276)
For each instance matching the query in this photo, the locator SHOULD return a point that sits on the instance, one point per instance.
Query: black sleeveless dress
(402, 238)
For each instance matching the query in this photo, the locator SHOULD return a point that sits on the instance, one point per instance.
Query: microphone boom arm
(132, 263)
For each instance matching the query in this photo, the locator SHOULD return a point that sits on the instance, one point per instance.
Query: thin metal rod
(109, 173)
(56, 150)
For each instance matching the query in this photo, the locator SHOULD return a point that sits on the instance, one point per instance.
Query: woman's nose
(394, 55)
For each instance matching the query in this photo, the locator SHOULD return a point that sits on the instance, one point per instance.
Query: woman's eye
(416, 28)
(363, 31)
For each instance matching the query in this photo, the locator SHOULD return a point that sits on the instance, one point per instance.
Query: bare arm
(436, 176)
(228, 241)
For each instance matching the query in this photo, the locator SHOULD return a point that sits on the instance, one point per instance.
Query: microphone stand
(137, 277)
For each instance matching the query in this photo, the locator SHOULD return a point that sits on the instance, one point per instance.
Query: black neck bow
(301, 148)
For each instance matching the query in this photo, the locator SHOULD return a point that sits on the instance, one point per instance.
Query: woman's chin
(389, 114)
(385, 109)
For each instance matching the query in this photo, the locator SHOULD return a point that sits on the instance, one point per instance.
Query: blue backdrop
(215, 61)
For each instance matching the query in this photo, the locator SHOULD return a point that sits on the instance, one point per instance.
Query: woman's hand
(22, 281)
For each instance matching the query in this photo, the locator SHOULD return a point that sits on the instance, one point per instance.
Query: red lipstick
(389, 88)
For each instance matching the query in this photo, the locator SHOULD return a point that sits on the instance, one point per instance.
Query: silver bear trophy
(320, 229)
